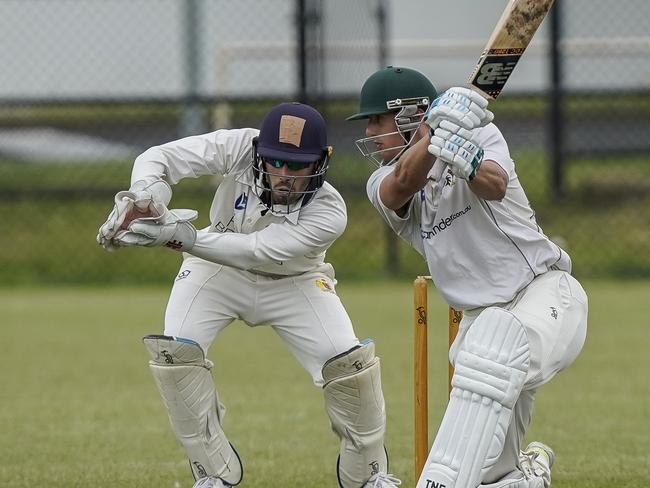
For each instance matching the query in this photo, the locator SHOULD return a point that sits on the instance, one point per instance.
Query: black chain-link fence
(86, 85)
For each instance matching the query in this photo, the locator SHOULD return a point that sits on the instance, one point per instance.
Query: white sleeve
(317, 228)
(407, 227)
(213, 153)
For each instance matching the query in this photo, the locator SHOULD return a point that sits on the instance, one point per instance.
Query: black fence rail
(84, 89)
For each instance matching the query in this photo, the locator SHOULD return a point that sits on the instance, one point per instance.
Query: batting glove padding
(143, 199)
(455, 146)
(462, 106)
(173, 229)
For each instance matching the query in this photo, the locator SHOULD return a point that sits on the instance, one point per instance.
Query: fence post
(556, 117)
(191, 119)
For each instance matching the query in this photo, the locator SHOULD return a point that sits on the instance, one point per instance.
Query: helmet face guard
(408, 119)
(293, 199)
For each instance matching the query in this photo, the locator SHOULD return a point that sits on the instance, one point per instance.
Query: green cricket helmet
(404, 91)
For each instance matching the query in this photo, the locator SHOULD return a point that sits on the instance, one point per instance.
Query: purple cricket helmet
(291, 133)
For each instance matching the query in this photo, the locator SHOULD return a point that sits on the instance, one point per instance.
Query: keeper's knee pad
(182, 374)
(355, 405)
(490, 371)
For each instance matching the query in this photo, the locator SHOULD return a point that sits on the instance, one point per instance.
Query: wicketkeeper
(261, 260)
(446, 184)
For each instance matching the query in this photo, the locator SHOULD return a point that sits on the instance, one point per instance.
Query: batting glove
(173, 229)
(143, 199)
(455, 145)
(462, 106)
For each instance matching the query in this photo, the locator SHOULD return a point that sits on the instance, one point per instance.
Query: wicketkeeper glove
(462, 106)
(144, 198)
(455, 145)
(173, 229)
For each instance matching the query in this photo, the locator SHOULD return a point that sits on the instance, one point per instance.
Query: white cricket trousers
(304, 310)
(553, 310)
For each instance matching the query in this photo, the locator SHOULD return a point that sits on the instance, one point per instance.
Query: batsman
(445, 183)
(261, 260)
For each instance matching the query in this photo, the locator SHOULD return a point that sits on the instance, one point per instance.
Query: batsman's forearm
(491, 181)
(414, 165)
(409, 176)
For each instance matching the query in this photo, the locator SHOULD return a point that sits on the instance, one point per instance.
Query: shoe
(211, 482)
(382, 480)
(536, 461)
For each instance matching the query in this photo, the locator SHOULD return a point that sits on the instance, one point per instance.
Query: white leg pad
(182, 374)
(491, 368)
(355, 405)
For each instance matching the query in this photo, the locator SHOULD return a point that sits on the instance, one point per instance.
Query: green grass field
(79, 407)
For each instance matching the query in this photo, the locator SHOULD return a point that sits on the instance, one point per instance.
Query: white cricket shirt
(243, 233)
(479, 252)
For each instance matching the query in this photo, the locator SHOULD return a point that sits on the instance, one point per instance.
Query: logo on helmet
(291, 129)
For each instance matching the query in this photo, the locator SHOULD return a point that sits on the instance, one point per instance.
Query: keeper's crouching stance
(261, 261)
(353, 400)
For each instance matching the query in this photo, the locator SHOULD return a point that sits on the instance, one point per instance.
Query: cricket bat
(508, 41)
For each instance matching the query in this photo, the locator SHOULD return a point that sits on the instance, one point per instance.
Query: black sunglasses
(292, 165)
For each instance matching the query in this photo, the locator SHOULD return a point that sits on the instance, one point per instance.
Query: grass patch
(81, 407)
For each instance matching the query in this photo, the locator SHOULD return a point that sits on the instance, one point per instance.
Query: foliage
(51, 212)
